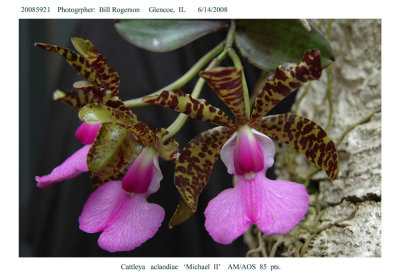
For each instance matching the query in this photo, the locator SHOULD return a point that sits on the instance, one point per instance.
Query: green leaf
(270, 43)
(306, 137)
(111, 153)
(99, 113)
(286, 80)
(196, 162)
(185, 103)
(162, 35)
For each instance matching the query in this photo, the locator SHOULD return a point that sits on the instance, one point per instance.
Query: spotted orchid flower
(275, 206)
(100, 86)
(119, 208)
(121, 157)
(245, 147)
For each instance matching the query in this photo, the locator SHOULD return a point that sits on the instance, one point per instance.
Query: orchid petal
(267, 145)
(274, 206)
(102, 205)
(286, 79)
(136, 222)
(196, 162)
(86, 133)
(227, 83)
(126, 220)
(226, 217)
(99, 113)
(89, 64)
(277, 205)
(184, 103)
(78, 98)
(70, 168)
(306, 137)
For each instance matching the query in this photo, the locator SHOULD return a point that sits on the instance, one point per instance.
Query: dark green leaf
(270, 43)
(162, 35)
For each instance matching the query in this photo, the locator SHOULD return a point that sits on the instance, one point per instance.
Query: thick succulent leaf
(270, 43)
(182, 213)
(227, 83)
(184, 103)
(306, 137)
(286, 79)
(100, 113)
(111, 153)
(78, 98)
(90, 65)
(162, 35)
(196, 161)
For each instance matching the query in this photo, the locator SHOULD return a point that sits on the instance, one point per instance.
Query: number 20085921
(35, 9)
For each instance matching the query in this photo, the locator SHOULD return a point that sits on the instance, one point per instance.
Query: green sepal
(196, 161)
(305, 136)
(162, 35)
(270, 43)
(185, 103)
(111, 153)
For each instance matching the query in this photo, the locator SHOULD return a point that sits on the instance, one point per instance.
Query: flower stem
(225, 47)
(228, 41)
(183, 79)
(238, 64)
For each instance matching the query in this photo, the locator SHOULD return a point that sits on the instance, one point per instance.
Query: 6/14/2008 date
(212, 9)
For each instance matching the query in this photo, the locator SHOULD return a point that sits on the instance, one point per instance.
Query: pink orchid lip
(248, 154)
(140, 173)
(86, 133)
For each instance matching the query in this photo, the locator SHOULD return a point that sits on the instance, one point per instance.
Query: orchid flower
(247, 151)
(121, 155)
(100, 86)
(119, 208)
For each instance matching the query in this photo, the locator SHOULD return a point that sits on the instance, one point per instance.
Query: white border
(10, 13)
